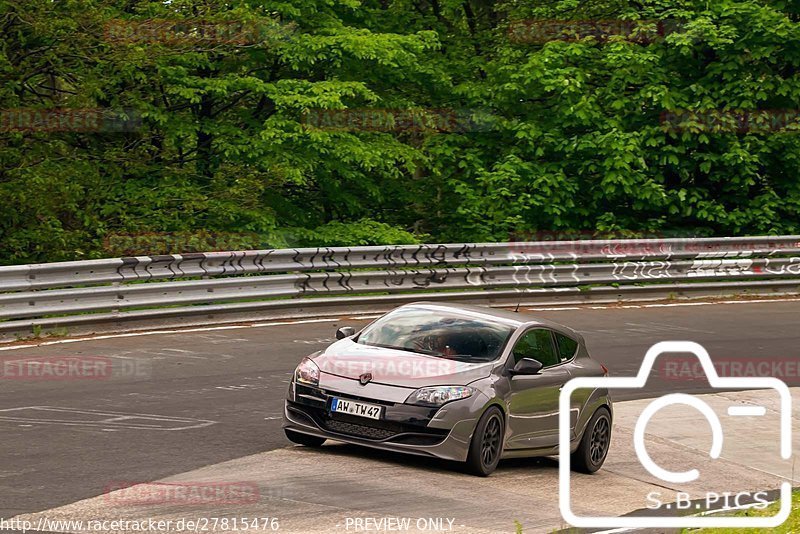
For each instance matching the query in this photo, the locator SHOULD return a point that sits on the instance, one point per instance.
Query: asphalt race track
(185, 400)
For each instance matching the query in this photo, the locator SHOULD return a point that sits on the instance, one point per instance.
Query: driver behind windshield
(428, 332)
(436, 342)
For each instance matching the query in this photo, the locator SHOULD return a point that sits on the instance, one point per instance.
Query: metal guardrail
(200, 288)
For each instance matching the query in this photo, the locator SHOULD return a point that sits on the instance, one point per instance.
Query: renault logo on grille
(365, 379)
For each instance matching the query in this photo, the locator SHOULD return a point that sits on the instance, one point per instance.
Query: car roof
(512, 318)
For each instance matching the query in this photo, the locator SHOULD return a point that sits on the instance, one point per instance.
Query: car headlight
(437, 396)
(307, 373)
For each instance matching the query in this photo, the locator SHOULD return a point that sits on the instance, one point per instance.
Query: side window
(566, 347)
(536, 344)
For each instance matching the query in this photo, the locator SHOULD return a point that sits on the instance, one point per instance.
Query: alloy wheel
(600, 439)
(490, 444)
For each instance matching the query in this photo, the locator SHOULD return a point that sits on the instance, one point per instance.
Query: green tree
(254, 118)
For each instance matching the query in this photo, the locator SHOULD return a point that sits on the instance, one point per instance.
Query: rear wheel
(593, 449)
(303, 439)
(487, 443)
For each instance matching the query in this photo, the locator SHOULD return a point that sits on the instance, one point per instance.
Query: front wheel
(487, 443)
(593, 449)
(303, 439)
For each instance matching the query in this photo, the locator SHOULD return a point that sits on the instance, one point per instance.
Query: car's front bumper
(439, 432)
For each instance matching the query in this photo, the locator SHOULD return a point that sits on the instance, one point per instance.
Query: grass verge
(789, 526)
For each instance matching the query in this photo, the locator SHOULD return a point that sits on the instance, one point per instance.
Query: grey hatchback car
(456, 382)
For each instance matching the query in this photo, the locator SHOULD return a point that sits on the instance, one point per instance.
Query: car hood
(397, 367)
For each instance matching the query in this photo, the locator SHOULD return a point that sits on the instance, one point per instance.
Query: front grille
(352, 425)
(357, 430)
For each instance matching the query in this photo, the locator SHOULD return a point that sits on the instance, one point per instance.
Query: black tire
(303, 439)
(487, 443)
(595, 442)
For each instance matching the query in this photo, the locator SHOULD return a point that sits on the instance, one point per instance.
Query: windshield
(442, 333)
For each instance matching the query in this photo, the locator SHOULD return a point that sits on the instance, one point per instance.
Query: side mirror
(345, 331)
(527, 366)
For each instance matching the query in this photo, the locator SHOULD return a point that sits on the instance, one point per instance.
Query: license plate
(361, 409)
